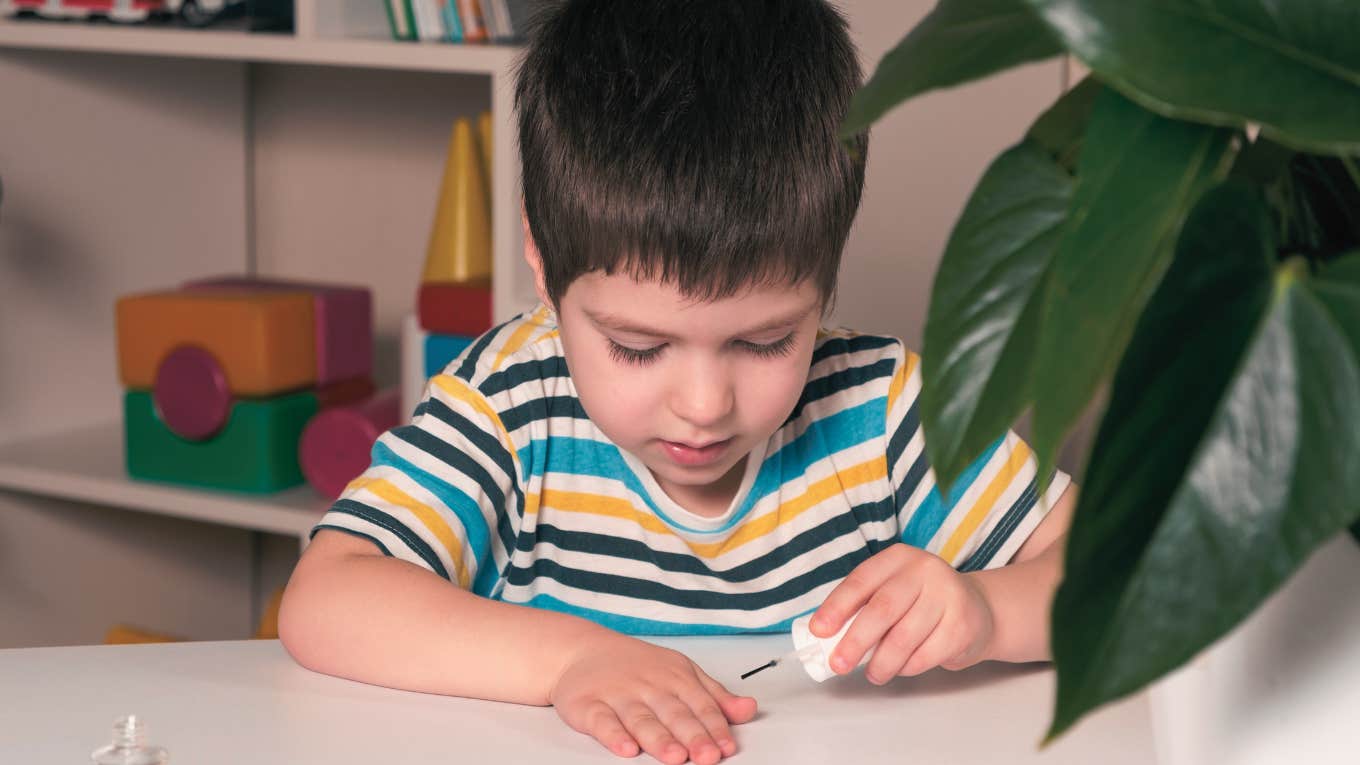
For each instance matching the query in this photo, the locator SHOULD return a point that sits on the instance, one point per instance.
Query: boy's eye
(779, 347)
(625, 355)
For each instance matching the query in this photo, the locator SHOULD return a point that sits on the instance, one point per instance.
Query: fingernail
(819, 623)
(839, 664)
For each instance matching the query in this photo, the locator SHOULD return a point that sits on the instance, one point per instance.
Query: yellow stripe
(899, 380)
(603, 505)
(459, 389)
(984, 503)
(613, 507)
(839, 483)
(388, 492)
(520, 336)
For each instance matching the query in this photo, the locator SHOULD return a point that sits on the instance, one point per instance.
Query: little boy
(670, 444)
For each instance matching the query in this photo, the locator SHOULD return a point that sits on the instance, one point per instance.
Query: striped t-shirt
(503, 485)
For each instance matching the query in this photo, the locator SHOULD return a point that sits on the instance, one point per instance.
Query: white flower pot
(1283, 687)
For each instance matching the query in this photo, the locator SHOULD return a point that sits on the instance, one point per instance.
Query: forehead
(619, 300)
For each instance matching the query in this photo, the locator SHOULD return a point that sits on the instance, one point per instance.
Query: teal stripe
(630, 625)
(930, 516)
(465, 507)
(840, 431)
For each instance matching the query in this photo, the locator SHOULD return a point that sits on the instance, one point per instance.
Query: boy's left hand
(917, 610)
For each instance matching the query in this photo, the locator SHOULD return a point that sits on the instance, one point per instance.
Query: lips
(695, 455)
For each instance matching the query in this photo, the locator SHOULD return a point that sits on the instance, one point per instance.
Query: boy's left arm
(921, 613)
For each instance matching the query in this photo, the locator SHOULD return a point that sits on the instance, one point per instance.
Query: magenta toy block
(191, 393)
(343, 316)
(336, 444)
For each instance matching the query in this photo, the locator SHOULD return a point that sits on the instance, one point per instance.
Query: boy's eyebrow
(620, 324)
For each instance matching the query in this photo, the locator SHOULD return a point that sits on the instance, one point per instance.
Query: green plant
(1143, 238)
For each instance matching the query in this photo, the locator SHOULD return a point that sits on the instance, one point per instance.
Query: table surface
(246, 701)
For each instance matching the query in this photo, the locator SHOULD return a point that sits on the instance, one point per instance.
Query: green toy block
(256, 451)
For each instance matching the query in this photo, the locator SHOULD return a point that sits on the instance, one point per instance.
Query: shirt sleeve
(993, 506)
(443, 492)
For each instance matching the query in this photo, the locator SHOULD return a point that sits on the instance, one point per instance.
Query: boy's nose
(703, 399)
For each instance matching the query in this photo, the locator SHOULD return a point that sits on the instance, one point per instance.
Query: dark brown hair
(694, 141)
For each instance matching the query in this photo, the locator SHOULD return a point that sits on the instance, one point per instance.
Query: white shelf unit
(135, 157)
(86, 465)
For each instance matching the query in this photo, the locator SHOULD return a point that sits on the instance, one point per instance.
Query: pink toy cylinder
(191, 393)
(335, 445)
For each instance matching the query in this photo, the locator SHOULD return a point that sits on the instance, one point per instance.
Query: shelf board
(272, 47)
(87, 465)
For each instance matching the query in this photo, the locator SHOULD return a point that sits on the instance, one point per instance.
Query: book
(453, 26)
(429, 21)
(474, 27)
(399, 19)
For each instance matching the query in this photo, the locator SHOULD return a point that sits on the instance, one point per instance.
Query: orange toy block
(264, 342)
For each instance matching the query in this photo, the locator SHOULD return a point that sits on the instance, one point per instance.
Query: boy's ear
(535, 261)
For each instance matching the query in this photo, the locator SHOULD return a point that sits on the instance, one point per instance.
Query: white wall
(125, 173)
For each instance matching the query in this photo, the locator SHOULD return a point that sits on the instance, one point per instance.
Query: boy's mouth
(695, 455)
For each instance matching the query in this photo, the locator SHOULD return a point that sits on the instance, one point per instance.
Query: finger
(654, 737)
(942, 643)
(680, 718)
(737, 709)
(893, 601)
(708, 706)
(856, 589)
(602, 722)
(903, 640)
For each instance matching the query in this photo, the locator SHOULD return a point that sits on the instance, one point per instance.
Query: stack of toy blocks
(454, 303)
(224, 374)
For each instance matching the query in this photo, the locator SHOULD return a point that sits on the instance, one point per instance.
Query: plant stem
(1349, 164)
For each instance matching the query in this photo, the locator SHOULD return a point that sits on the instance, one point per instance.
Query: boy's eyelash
(625, 355)
(780, 347)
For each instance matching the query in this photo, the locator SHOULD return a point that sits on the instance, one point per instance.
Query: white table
(247, 702)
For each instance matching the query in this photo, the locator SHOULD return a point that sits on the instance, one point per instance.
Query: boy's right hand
(634, 696)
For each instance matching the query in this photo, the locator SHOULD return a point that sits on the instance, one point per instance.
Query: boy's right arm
(353, 612)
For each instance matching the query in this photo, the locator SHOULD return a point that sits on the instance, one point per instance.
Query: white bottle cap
(815, 652)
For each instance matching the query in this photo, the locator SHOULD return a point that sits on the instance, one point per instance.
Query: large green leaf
(1293, 66)
(985, 307)
(986, 302)
(959, 41)
(1138, 175)
(1230, 449)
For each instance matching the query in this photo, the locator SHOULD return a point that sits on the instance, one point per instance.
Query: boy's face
(688, 387)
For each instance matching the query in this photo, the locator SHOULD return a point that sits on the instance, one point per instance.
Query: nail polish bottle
(815, 652)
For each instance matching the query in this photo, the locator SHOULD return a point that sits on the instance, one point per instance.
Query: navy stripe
(983, 555)
(468, 369)
(464, 463)
(855, 344)
(911, 480)
(656, 592)
(839, 382)
(517, 417)
(805, 542)
(353, 533)
(383, 520)
(525, 371)
(486, 443)
(906, 430)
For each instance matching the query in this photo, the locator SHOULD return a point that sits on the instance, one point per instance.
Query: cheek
(611, 393)
(770, 391)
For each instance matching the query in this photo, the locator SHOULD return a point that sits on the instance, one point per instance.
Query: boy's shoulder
(523, 348)
(850, 368)
(841, 348)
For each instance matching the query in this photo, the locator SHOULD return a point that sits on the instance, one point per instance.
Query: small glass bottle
(129, 747)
